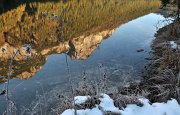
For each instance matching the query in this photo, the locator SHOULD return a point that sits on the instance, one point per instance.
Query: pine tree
(165, 2)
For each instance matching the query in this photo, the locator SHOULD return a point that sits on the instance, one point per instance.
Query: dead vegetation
(163, 79)
(122, 96)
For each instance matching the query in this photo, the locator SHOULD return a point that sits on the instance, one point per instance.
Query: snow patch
(94, 111)
(107, 105)
(81, 99)
(174, 45)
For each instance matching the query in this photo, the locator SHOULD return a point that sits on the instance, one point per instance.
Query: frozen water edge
(107, 105)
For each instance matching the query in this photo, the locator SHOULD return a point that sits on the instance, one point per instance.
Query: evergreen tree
(165, 2)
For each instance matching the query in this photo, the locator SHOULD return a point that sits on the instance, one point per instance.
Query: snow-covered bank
(107, 106)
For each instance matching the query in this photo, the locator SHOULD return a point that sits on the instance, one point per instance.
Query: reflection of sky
(128, 38)
(116, 52)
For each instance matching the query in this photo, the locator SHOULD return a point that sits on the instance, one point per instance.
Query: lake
(118, 49)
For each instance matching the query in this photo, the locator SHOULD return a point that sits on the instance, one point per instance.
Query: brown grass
(163, 78)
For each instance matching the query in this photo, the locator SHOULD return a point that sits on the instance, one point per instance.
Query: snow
(169, 108)
(107, 105)
(174, 45)
(94, 111)
(81, 99)
(68, 112)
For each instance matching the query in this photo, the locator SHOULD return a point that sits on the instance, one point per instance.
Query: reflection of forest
(6, 5)
(36, 23)
(44, 24)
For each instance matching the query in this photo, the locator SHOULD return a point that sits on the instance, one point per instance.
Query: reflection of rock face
(82, 47)
(23, 69)
(62, 47)
(79, 48)
(6, 52)
(41, 27)
(27, 75)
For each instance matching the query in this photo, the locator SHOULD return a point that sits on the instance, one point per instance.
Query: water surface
(116, 56)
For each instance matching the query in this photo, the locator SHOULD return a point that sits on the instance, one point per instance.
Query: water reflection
(117, 55)
(89, 32)
(71, 29)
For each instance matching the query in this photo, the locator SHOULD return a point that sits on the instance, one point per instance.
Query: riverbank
(163, 77)
(107, 107)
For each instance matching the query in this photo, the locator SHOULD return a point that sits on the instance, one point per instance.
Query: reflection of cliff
(23, 69)
(22, 66)
(32, 72)
(6, 52)
(83, 46)
(79, 48)
(83, 25)
(38, 23)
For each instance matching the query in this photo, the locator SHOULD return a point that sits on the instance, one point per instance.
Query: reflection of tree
(39, 24)
(36, 23)
(6, 5)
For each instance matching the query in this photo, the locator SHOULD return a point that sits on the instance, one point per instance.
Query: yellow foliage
(78, 16)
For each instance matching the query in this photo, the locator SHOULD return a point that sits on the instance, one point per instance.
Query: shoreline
(163, 72)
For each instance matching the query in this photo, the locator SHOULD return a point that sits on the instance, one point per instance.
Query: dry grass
(163, 78)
